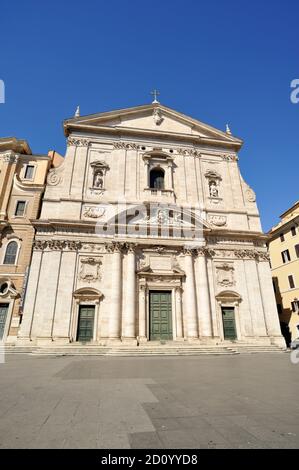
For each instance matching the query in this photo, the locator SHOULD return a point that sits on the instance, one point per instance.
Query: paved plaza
(246, 401)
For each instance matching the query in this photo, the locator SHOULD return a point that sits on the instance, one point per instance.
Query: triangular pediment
(155, 118)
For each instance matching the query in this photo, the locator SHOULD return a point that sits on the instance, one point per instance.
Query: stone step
(141, 351)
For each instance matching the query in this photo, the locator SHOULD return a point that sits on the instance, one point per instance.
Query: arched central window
(11, 253)
(157, 178)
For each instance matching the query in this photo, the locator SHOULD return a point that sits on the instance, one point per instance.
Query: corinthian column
(116, 292)
(178, 311)
(190, 297)
(128, 320)
(142, 314)
(269, 303)
(204, 306)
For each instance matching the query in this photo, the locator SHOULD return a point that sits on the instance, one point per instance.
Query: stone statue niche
(99, 171)
(213, 188)
(98, 179)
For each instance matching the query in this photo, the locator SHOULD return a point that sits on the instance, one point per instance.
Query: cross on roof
(155, 93)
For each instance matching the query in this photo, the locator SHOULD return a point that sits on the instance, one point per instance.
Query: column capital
(188, 251)
(114, 247)
(205, 252)
(131, 247)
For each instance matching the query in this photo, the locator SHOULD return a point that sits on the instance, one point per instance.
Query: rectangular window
(293, 230)
(285, 256)
(29, 172)
(282, 237)
(295, 306)
(297, 250)
(279, 308)
(20, 208)
(291, 282)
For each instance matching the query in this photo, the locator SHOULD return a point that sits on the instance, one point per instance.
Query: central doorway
(229, 324)
(160, 315)
(85, 323)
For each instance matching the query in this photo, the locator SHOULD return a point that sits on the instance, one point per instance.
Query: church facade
(148, 232)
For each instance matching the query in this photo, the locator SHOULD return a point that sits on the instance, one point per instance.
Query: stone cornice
(122, 132)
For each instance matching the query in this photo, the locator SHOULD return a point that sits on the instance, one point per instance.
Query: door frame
(172, 316)
(173, 308)
(229, 299)
(223, 307)
(10, 304)
(90, 305)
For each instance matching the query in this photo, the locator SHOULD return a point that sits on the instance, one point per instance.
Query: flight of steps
(141, 351)
(256, 348)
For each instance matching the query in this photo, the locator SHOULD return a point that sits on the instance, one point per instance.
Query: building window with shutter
(282, 237)
(285, 256)
(291, 282)
(11, 253)
(297, 250)
(295, 306)
(293, 231)
(20, 209)
(29, 172)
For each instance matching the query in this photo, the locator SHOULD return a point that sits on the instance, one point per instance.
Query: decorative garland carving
(189, 151)
(57, 245)
(230, 157)
(125, 145)
(9, 157)
(78, 142)
(93, 212)
(218, 220)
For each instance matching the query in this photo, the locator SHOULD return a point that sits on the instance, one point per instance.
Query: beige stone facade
(149, 233)
(22, 182)
(284, 253)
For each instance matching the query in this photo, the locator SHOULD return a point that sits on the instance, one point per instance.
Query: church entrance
(3, 316)
(85, 323)
(160, 316)
(229, 324)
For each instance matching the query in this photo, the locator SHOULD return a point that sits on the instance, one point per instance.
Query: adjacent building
(284, 254)
(22, 183)
(148, 232)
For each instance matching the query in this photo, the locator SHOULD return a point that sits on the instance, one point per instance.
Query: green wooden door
(160, 316)
(3, 316)
(85, 323)
(229, 324)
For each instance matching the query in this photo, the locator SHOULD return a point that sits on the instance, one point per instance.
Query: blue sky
(219, 61)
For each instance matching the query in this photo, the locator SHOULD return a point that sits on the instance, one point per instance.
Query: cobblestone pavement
(153, 402)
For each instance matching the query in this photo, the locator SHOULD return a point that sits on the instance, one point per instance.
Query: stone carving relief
(157, 115)
(90, 269)
(53, 178)
(126, 145)
(225, 275)
(250, 195)
(162, 217)
(218, 220)
(93, 212)
(230, 157)
(9, 157)
(189, 151)
(78, 142)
